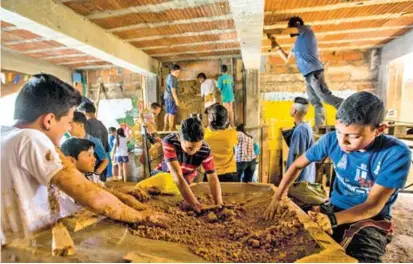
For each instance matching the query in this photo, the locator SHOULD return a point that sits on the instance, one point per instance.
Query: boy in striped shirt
(183, 154)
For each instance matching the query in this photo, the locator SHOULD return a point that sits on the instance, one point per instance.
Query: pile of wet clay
(235, 234)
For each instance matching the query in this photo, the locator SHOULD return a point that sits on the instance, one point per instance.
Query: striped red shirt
(172, 150)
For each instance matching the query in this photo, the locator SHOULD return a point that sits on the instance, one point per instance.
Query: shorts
(124, 159)
(170, 106)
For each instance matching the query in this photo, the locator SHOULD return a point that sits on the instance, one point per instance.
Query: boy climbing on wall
(371, 168)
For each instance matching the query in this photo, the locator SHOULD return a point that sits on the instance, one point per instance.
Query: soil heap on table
(234, 234)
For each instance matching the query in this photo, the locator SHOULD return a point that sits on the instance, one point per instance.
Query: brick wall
(118, 83)
(189, 87)
(344, 70)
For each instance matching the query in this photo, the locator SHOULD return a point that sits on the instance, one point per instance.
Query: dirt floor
(401, 248)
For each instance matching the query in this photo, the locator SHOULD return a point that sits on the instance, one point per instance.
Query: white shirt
(28, 163)
(122, 149)
(208, 88)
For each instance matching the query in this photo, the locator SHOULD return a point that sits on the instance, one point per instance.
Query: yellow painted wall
(277, 115)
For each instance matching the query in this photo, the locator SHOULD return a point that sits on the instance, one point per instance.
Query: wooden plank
(62, 243)
(137, 257)
(81, 220)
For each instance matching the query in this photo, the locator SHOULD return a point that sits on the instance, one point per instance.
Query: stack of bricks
(119, 83)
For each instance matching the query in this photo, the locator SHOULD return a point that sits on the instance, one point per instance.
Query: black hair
(119, 132)
(219, 116)
(201, 75)
(241, 128)
(72, 147)
(362, 108)
(192, 130)
(155, 105)
(87, 107)
(175, 67)
(224, 68)
(294, 20)
(112, 129)
(44, 94)
(79, 117)
(301, 100)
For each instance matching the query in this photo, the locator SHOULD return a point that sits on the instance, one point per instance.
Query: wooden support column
(252, 106)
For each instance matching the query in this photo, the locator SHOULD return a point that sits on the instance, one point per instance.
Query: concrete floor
(401, 248)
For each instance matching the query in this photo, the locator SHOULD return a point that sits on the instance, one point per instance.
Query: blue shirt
(171, 82)
(100, 153)
(111, 142)
(306, 51)
(301, 140)
(385, 162)
(225, 85)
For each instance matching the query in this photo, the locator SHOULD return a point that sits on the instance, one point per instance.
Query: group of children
(371, 167)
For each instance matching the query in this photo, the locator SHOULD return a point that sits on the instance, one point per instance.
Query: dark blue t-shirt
(306, 51)
(386, 162)
(301, 141)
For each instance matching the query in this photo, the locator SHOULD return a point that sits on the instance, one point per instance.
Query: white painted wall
(25, 64)
(393, 50)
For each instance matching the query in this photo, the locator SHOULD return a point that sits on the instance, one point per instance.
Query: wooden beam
(92, 67)
(191, 44)
(55, 21)
(79, 61)
(187, 34)
(344, 20)
(347, 31)
(157, 8)
(172, 23)
(318, 8)
(201, 58)
(44, 50)
(191, 52)
(62, 243)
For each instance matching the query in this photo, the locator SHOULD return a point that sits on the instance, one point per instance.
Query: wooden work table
(110, 241)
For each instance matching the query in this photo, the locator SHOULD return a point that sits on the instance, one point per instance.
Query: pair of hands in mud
(321, 219)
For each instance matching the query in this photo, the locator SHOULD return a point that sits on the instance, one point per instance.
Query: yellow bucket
(162, 181)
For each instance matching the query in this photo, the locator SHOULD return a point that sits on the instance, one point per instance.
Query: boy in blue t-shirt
(226, 87)
(371, 168)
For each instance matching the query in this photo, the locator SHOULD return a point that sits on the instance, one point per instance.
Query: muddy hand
(322, 220)
(154, 219)
(271, 211)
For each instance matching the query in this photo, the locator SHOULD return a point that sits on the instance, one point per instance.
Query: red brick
(279, 69)
(353, 55)
(339, 77)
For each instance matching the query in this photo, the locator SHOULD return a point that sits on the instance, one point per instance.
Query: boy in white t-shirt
(207, 89)
(33, 168)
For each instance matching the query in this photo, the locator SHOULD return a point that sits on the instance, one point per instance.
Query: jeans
(367, 245)
(245, 170)
(318, 91)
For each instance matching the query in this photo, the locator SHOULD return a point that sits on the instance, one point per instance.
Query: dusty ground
(401, 248)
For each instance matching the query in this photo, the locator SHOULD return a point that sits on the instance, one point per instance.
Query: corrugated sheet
(176, 29)
(201, 47)
(182, 40)
(216, 9)
(87, 7)
(343, 13)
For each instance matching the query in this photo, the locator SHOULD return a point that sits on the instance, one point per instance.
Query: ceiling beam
(79, 61)
(343, 20)
(172, 23)
(192, 44)
(203, 58)
(360, 47)
(249, 22)
(65, 56)
(44, 50)
(58, 22)
(187, 34)
(92, 67)
(318, 8)
(157, 8)
(340, 41)
(192, 52)
(347, 31)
